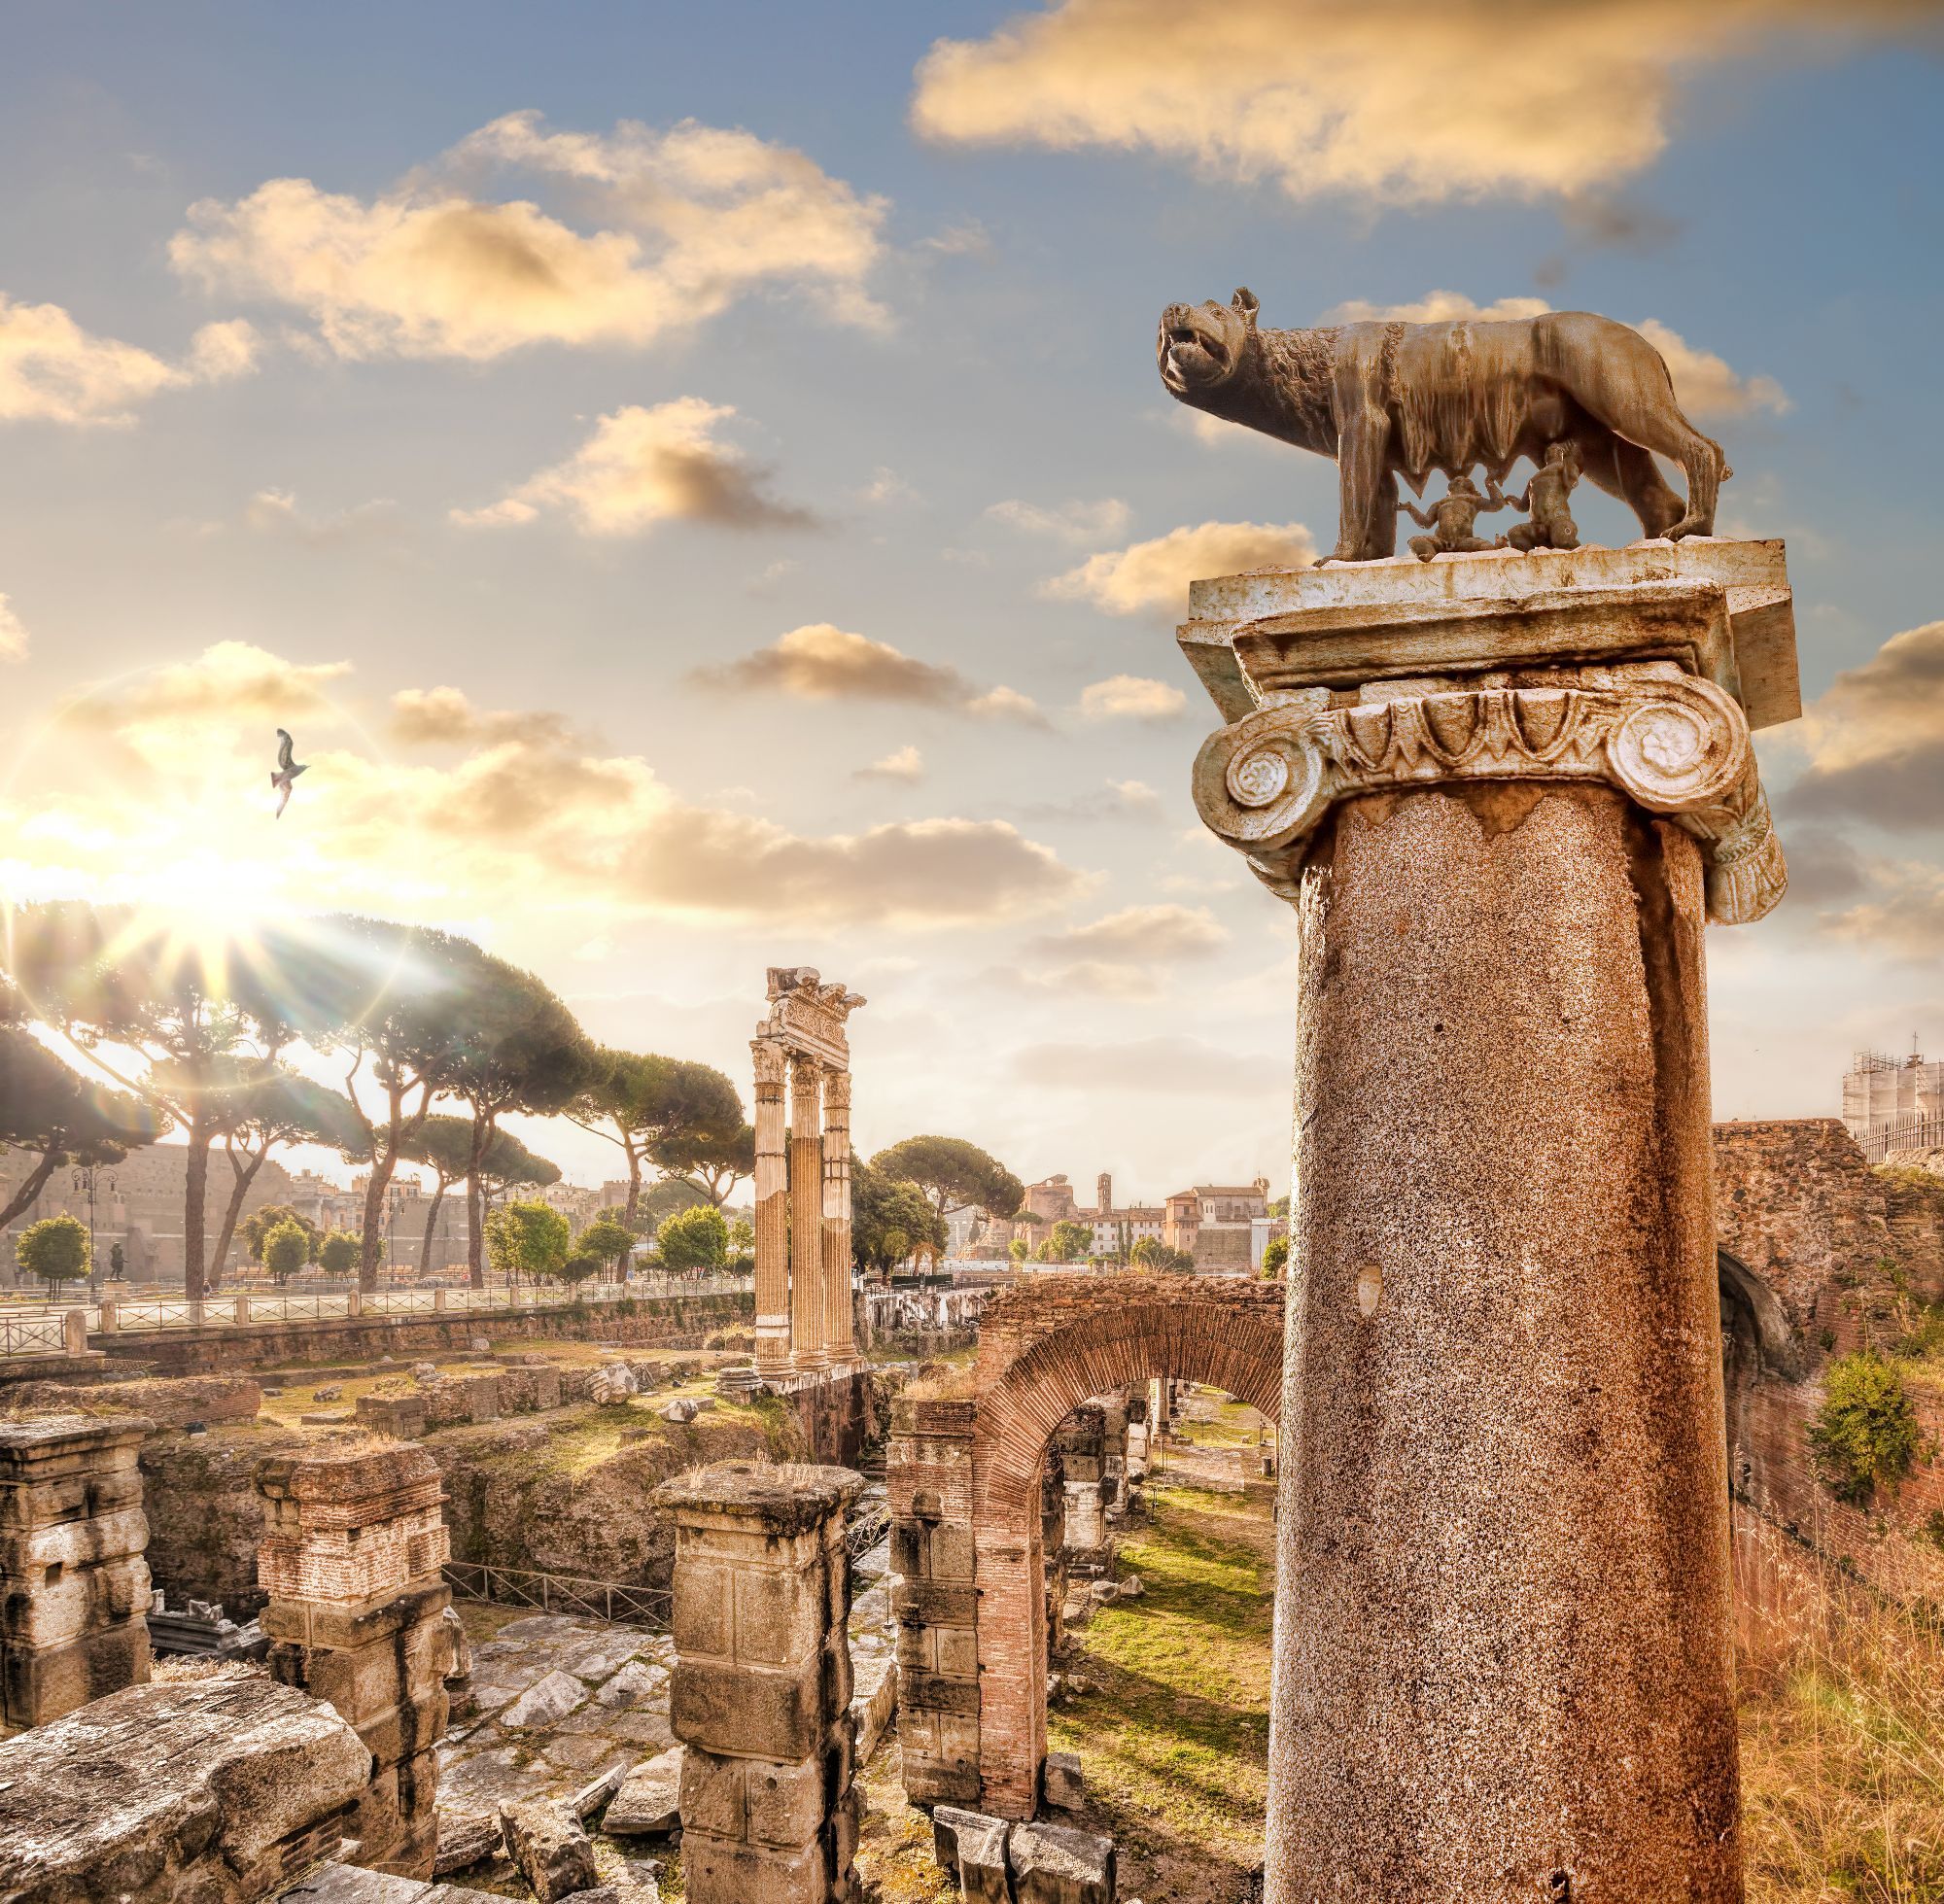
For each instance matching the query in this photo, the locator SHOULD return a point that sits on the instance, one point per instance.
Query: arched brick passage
(1045, 1345)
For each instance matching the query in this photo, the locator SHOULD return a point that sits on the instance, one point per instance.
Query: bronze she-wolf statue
(1388, 399)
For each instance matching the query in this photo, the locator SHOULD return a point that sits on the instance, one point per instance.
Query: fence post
(353, 1302)
(111, 1320)
(74, 1332)
(241, 1305)
(439, 1301)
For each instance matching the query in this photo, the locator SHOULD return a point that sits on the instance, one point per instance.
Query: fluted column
(773, 1319)
(1502, 801)
(808, 1350)
(839, 1327)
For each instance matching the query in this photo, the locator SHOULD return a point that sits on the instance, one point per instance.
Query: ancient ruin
(804, 1320)
(352, 1558)
(761, 1692)
(1503, 793)
(73, 1585)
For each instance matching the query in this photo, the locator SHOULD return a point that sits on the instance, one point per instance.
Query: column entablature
(1642, 687)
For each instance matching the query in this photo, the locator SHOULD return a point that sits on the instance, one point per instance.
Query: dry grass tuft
(1842, 1732)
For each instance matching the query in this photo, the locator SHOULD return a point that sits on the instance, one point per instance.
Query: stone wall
(1851, 1256)
(657, 1322)
(220, 1790)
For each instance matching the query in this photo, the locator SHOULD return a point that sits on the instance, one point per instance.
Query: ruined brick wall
(1853, 1256)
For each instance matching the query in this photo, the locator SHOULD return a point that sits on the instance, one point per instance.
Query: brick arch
(1045, 1346)
(1041, 1355)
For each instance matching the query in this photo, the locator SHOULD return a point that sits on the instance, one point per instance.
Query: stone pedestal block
(1503, 794)
(73, 1585)
(935, 1602)
(352, 1559)
(761, 1690)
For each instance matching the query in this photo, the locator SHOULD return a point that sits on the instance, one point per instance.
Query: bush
(286, 1249)
(340, 1253)
(55, 1251)
(695, 1238)
(1865, 1436)
(1276, 1258)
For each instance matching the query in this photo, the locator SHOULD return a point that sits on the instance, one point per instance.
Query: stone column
(808, 1352)
(1496, 795)
(352, 1558)
(839, 1324)
(761, 1691)
(935, 1600)
(74, 1586)
(772, 1189)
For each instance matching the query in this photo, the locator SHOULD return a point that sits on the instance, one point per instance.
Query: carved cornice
(807, 1015)
(1673, 743)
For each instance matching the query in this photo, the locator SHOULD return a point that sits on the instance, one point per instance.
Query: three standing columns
(803, 1316)
(1501, 802)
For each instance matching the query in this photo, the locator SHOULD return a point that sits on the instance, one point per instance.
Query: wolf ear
(1244, 300)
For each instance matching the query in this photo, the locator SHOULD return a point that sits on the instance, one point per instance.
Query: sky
(695, 484)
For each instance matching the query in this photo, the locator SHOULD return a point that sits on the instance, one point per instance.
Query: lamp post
(83, 1178)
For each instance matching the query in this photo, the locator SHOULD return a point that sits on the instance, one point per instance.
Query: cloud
(1131, 800)
(1160, 1067)
(1153, 576)
(275, 512)
(53, 371)
(1875, 737)
(1138, 935)
(1071, 522)
(1902, 916)
(905, 766)
(1418, 102)
(694, 218)
(888, 486)
(1130, 697)
(526, 817)
(641, 466)
(12, 634)
(446, 717)
(229, 680)
(819, 662)
(1703, 382)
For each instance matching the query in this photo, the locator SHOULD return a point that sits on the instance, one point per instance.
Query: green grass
(1173, 1732)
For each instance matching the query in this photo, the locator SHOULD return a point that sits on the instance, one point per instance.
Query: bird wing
(284, 749)
(284, 802)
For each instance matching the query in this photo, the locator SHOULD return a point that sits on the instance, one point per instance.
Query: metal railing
(560, 1593)
(1922, 1132)
(31, 1335)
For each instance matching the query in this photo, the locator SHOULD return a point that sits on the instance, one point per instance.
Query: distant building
(1219, 1213)
(1214, 1222)
(1894, 1103)
(576, 1202)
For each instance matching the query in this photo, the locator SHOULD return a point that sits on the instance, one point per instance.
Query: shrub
(1274, 1258)
(695, 1238)
(1865, 1434)
(286, 1249)
(54, 1250)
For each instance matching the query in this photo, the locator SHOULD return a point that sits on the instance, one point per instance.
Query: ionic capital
(1673, 743)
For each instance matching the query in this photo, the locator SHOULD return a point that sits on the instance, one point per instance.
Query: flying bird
(287, 771)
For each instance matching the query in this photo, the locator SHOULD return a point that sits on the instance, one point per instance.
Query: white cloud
(12, 634)
(1419, 101)
(1704, 384)
(642, 466)
(1130, 697)
(1139, 935)
(275, 512)
(1071, 522)
(53, 371)
(822, 662)
(159, 803)
(696, 216)
(906, 765)
(1153, 576)
(888, 486)
(1875, 737)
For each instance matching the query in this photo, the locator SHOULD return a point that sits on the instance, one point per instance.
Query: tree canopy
(59, 1116)
(956, 1175)
(1152, 1254)
(527, 1239)
(658, 1108)
(890, 1218)
(285, 1248)
(604, 1242)
(258, 1224)
(53, 1251)
(1067, 1243)
(695, 1238)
